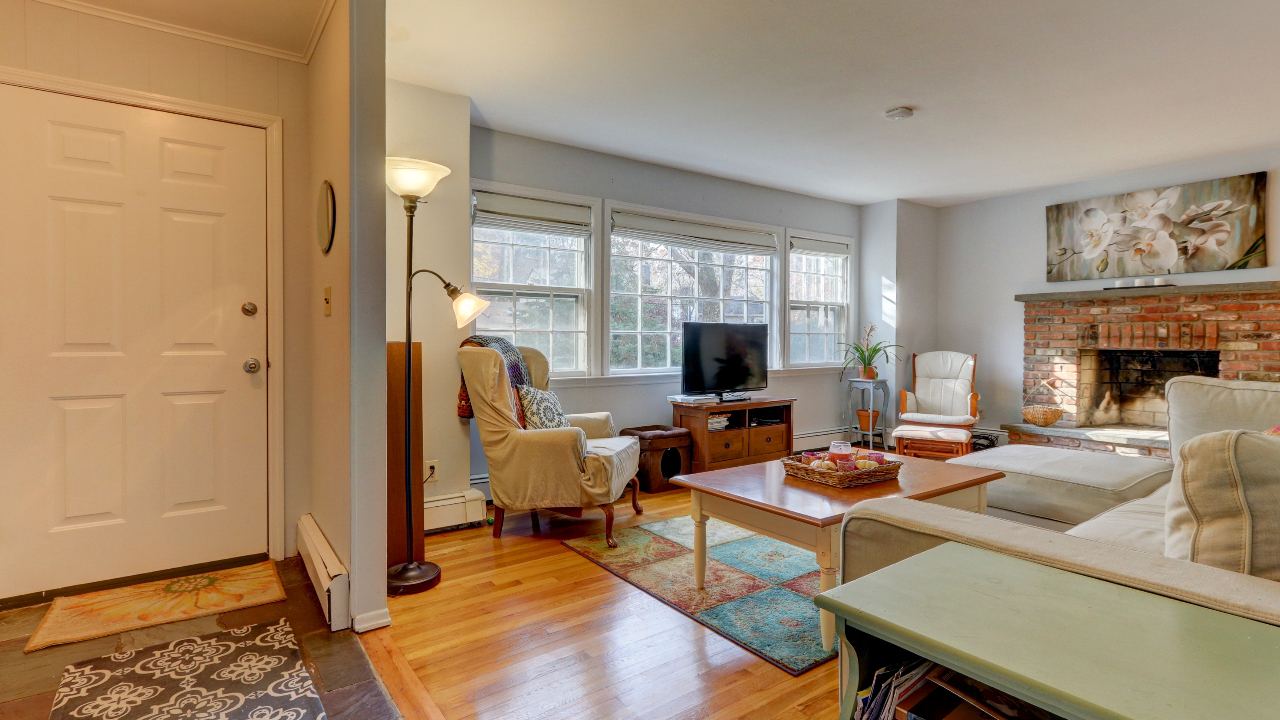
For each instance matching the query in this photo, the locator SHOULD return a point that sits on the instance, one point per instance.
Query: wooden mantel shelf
(1151, 290)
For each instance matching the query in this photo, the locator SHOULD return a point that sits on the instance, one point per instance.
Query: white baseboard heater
(328, 575)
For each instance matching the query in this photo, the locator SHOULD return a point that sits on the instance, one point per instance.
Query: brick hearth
(1061, 334)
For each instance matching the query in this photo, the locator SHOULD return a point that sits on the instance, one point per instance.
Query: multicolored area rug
(107, 612)
(250, 673)
(758, 591)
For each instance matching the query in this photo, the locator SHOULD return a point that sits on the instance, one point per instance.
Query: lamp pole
(412, 576)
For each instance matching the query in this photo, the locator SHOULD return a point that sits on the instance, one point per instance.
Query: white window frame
(850, 288)
(603, 266)
(591, 295)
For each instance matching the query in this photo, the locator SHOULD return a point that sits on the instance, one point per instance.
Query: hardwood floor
(522, 628)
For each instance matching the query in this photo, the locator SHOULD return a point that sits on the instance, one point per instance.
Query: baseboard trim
(37, 598)
(372, 620)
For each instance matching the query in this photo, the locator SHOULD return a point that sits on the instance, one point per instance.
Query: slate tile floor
(338, 665)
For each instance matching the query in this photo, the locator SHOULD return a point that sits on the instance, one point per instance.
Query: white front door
(131, 438)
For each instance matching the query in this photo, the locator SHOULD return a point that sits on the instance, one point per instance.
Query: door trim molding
(273, 125)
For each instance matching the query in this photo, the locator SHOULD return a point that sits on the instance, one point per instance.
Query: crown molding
(304, 57)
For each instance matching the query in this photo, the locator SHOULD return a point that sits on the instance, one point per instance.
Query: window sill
(671, 378)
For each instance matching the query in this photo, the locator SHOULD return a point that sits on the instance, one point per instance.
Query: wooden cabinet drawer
(766, 440)
(726, 445)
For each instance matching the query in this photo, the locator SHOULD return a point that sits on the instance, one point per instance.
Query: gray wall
(519, 160)
(990, 250)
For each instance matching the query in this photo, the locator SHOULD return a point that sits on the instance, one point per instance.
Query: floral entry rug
(107, 612)
(249, 673)
(758, 591)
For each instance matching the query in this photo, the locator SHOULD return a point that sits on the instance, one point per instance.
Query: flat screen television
(722, 358)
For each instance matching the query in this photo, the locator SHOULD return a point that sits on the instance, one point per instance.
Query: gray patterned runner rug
(249, 673)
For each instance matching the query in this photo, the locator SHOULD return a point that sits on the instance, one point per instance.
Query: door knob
(252, 365)
(249, 309)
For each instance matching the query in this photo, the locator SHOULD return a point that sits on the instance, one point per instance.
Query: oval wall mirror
(326, 216)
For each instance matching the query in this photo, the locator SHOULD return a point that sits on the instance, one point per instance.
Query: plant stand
(867, 402)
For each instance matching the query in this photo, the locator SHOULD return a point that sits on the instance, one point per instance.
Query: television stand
(759, 430)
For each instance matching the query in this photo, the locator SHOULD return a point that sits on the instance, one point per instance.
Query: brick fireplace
(1103, 356)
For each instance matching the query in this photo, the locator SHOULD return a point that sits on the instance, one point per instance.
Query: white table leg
(699, 539)
(828, 544)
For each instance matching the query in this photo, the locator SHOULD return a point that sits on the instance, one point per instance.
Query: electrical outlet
(429, 473)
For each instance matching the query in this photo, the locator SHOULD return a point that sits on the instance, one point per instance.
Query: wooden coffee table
(761, 498)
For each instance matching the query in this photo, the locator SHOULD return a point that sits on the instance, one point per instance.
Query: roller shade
(819, 247)
(510, 212)
(713, 238)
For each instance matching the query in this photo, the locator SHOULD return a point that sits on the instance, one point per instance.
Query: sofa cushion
(1069, 486)
(1224, 504)
(1200, 405)
(1137, 524)
(928, 432)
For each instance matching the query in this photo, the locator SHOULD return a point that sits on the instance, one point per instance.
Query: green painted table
(1076, 646)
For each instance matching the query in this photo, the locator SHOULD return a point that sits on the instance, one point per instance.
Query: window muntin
(817, 307)
(654, 287)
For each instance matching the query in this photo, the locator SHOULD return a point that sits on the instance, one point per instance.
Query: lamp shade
(467, 307)
(413, 178)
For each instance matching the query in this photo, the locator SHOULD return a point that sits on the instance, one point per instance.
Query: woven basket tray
(840, 478)
(1041, 415)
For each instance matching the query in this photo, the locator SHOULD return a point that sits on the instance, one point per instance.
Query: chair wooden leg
(498, 514)
(608, 525)
(635, 496)
(533, 520)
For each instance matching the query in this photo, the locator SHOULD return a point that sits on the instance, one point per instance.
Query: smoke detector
(899, 113)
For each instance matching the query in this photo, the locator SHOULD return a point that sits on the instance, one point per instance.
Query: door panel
(131, 440)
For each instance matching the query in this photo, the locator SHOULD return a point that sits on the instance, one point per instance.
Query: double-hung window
(818, 301)
(530, 258)
(663, 273)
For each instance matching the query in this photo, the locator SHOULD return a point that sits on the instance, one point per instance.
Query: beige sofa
(1124, 545)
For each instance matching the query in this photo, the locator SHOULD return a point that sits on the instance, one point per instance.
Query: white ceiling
(283, 28)
(1010, 94)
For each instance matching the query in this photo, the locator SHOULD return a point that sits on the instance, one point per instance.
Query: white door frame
(275, 249)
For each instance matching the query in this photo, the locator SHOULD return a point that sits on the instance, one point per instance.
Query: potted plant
(865, 353)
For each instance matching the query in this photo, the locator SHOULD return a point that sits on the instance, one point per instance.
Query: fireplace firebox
(1127, 386)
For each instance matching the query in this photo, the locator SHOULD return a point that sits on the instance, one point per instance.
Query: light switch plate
(328, 301)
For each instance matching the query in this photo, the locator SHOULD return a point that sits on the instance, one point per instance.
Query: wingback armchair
(941, 407)
(560, 469)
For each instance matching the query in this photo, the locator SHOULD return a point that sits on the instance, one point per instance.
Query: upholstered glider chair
(938, 414)
(565, 470)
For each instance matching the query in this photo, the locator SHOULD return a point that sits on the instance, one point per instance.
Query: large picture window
(817, 309)
(530, 260)
(663, 274)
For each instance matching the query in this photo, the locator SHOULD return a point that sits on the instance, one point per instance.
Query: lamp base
(413, 577)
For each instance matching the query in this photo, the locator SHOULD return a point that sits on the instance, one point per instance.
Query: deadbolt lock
(249, 309)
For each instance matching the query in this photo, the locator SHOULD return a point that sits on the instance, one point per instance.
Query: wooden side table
(1076, 646)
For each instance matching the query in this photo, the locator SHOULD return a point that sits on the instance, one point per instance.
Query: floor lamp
(413, 180)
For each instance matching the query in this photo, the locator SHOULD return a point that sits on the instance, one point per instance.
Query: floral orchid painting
(1196, 227)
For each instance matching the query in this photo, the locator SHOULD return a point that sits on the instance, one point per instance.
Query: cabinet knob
(768, 439)
(726, 446)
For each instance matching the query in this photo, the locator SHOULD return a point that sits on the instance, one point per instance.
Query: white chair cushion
(1137, 524)
(1069, 486)
(1224, 504)
(927, 419)
(943, 383)
(925, 432)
